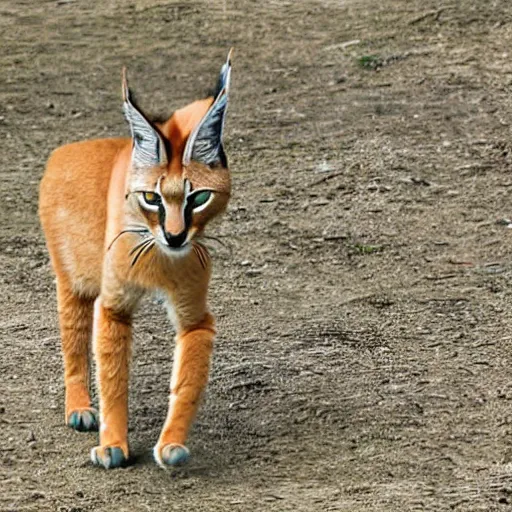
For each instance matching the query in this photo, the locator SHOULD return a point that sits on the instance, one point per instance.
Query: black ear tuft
(148, 146)
(205, 142)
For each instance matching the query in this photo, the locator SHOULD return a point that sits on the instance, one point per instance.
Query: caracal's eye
(152, 198)
(150, 201)
(200, 199)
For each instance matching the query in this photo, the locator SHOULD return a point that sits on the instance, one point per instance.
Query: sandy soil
(363, 360)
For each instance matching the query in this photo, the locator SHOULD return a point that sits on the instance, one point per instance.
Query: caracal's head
(179, 178)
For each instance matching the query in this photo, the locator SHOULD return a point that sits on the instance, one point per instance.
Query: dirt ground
(363, 358)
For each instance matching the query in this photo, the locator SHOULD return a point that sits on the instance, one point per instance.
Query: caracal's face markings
(179, 178)
(177, 207)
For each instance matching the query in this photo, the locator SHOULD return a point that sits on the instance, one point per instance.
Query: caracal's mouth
(182, 250)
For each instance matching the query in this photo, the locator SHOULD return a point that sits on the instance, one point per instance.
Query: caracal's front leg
(112, 329)
(189, 377)
(194, 343)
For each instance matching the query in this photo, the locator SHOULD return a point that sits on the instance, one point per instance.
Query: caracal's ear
(148, 145)
(205, 142)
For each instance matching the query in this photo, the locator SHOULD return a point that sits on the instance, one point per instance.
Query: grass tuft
(367, 249)
(372, 62)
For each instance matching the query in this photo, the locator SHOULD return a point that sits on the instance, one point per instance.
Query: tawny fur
(86, 202)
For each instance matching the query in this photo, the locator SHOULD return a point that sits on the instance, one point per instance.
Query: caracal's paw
(83, 420)
(172, 455)
(109, 457)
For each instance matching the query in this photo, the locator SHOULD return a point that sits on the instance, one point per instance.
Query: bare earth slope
(364, 353)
